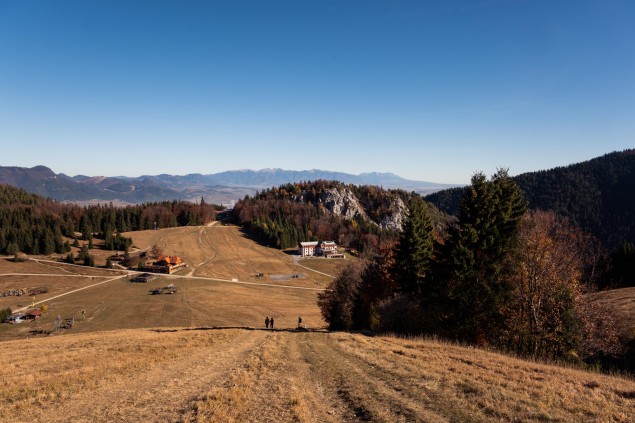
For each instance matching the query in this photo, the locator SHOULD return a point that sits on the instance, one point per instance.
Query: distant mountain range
(218, 188)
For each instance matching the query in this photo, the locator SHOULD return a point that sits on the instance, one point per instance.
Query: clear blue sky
(430, 90)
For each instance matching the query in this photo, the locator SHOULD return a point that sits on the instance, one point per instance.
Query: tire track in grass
(161, 393)
(369, 392)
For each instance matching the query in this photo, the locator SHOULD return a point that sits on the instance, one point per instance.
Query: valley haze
(218, 188)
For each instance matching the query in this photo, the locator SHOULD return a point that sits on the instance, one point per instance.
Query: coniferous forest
(504, 276)
(596, 196)
(34, 225)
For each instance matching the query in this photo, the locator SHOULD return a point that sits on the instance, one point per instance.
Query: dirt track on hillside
(242, 375)
(257, 375)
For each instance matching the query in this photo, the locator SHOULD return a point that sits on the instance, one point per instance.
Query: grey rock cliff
(342, 202)
(396, 217)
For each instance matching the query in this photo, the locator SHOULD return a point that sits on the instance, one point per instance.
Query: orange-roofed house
(167, 264)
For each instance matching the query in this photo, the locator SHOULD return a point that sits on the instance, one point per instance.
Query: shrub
(337, 301)
(4, 314)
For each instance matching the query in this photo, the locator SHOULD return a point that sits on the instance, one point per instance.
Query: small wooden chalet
(144, 278)
(167, 264)
(33, 314)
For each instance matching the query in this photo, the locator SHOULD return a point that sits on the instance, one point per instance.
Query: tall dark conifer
(480, 270)
(415, 249)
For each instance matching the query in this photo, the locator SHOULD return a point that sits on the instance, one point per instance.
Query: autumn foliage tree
(377, 284)
(155, 251)
(548, 315)
(337, 301)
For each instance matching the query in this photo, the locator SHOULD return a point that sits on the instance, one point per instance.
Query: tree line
(595, 196)
(504, 276)
(35, 225)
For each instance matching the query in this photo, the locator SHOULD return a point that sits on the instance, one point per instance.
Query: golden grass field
(239, 375)
(206, 295)
(203, 354)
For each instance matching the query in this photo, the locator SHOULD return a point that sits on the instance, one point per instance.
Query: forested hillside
(504, 276)
(361, 217)
(35, 225)
(596, 196)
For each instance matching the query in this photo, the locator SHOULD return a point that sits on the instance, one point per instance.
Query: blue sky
(429, 90)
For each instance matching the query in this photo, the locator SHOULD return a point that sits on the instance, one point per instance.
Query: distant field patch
(329, 266)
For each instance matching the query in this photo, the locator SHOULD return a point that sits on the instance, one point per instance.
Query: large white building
(307, 249)
(316, 248)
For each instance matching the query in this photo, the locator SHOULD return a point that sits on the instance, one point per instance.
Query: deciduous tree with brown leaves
(548, 315)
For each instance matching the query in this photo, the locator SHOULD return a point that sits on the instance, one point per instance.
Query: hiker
(267, 322)
(299, 321)
(271, 322)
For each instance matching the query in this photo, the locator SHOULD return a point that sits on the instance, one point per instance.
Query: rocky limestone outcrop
(342, 202)
(396, 218)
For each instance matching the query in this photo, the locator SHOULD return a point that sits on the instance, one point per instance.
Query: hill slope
(597, 195)
(362, 217)
(159, 370)
(208, 374)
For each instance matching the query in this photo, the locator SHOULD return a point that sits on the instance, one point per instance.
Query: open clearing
(210, 375)
(220, 288)
(225, 252)
(203, 354)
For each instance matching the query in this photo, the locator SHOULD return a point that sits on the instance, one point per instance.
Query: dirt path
(362, 389)
(163, 393)
(69, 292)
(308, 377)
(296, 262)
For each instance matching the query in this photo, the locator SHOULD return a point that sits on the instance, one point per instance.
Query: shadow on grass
(290, 330)
(252, 236)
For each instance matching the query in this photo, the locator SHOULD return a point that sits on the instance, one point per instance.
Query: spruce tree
(415, 249)
(89, 260)
(480, 249)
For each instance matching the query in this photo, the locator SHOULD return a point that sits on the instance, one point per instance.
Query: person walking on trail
(267, 322)
(299, 321)
(271, 322)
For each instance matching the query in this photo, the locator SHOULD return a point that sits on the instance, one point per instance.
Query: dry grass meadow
(622, 303)
(203, 354)
(239, 375)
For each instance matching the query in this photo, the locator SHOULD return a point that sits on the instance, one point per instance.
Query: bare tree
(156, 251)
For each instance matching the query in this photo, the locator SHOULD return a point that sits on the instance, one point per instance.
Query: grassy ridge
(259, 375)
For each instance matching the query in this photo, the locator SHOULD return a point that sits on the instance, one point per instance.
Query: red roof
(173, 260)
